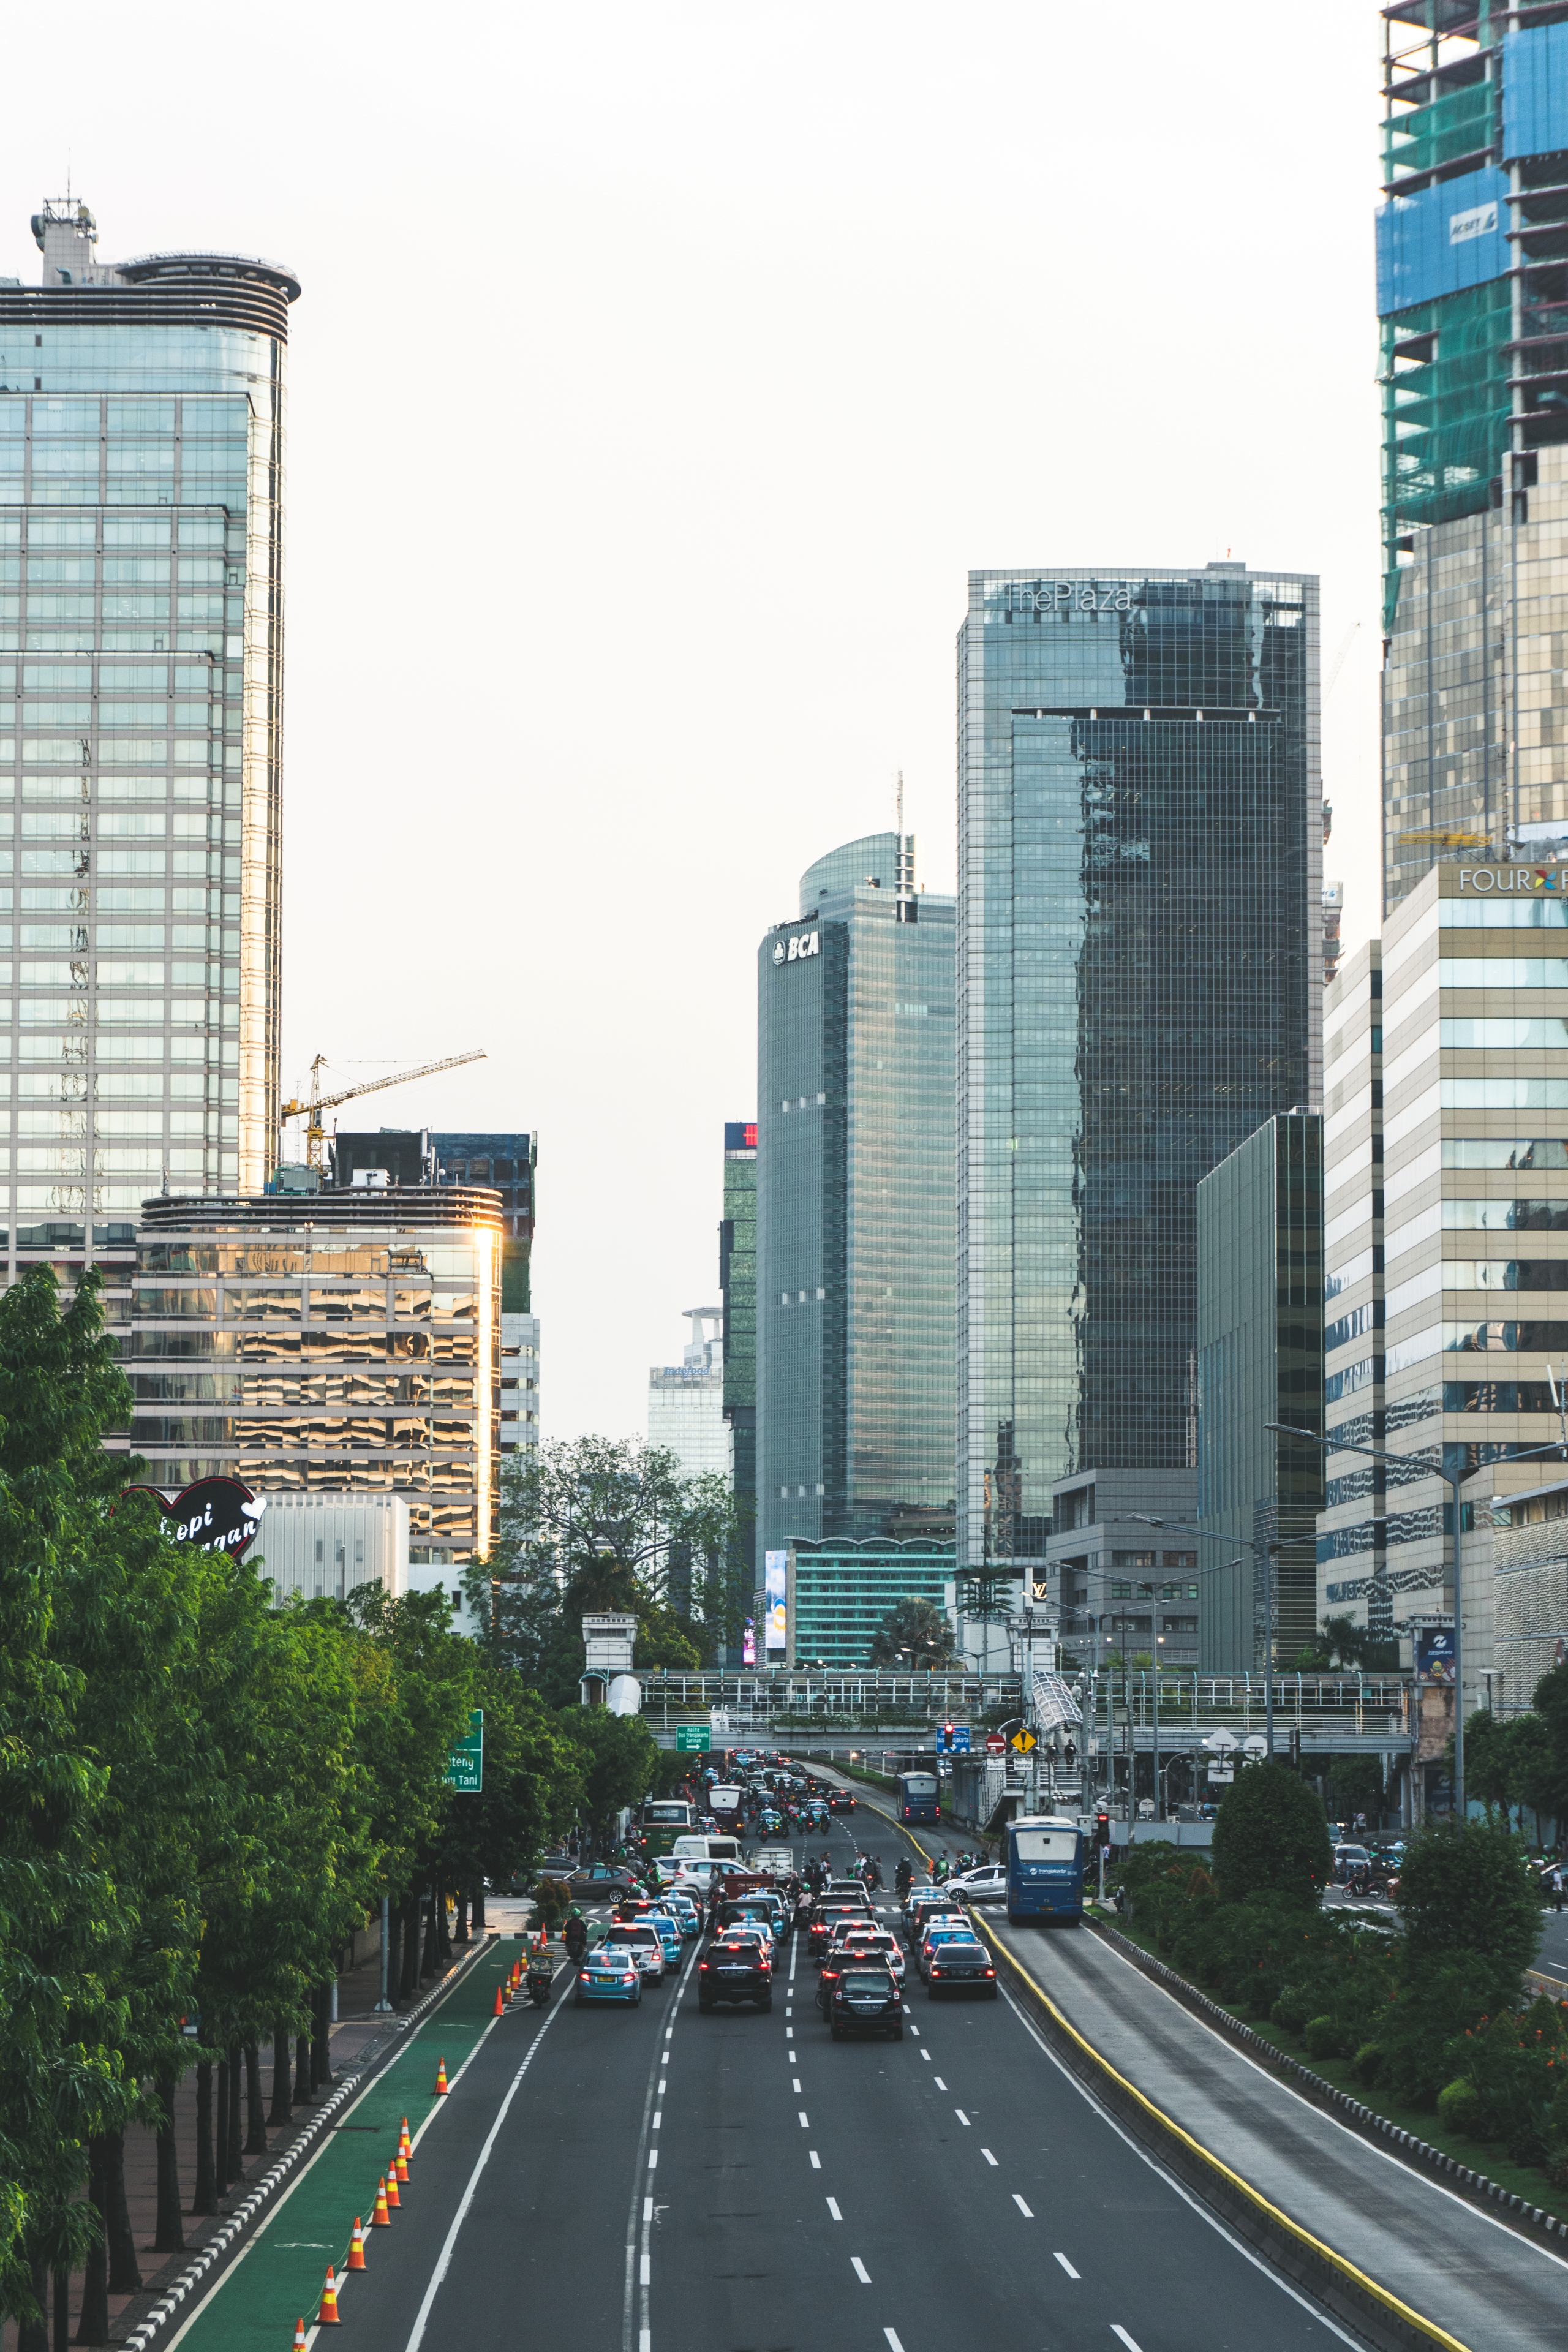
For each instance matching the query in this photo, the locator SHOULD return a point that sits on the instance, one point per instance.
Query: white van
(699, 1848)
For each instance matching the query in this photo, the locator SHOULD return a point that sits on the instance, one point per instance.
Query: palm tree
(915, 1635)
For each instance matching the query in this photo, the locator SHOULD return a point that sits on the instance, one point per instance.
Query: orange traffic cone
(441, 2080)
(392, 2198)
(508, 1989)
(500, 2004)
(381, 2219)
(328, 2314)
(356, 2247)
(405, 2151)
(299, 2335)
(400, 2166)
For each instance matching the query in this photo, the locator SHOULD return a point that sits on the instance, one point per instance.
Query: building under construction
(1472, 297)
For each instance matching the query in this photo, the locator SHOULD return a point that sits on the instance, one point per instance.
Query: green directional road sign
(692, 1739)
(466, 1764)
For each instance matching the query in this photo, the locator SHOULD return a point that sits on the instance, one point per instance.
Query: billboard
(1435, 1653)
(774, 1565)
(749, 1644)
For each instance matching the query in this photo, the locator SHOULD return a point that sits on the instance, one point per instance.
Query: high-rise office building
(1446, 1189)
(1472, 296)
(141, 448)
(854, 1209)
(1260, 1359)
(738, 1291)
(686, 1400)
(1139, 957)
(508, 1163)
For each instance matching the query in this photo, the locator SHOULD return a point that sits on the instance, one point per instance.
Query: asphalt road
(652, 2178)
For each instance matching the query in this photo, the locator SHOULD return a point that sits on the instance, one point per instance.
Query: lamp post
(1452, 1479)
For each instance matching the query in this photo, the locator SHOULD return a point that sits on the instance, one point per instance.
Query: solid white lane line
(1021, 2207)
(815, 2159)
(1067, 2266)
(833, 2209)
(963, 2118)
(1125, 2338)
(985, 2152)
(861, 2273)
(461, 2215)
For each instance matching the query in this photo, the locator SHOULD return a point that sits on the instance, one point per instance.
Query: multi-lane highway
(738, 2182)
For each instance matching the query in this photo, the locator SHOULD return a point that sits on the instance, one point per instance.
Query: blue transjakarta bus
(1045, 1869)
(918, 1797)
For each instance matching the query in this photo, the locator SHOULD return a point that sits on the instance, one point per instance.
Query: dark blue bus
(1045, 1869)
(918, 1797)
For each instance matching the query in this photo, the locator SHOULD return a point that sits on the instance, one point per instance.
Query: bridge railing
(755, 1697)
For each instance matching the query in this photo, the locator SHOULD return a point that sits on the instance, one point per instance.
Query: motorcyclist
(575, 1934)
(903, 1876)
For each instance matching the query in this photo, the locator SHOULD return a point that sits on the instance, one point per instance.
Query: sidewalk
(358, 2033)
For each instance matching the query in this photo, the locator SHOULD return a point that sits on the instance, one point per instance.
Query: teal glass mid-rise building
(142, 450)
(1139, 961)
(855, 1205)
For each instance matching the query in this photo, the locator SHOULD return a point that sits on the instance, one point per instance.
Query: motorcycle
(538, 1980)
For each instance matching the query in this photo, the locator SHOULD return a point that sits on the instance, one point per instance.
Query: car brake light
(582, 1975)
(990, 1972)
(934, 1969)
(702, 1968)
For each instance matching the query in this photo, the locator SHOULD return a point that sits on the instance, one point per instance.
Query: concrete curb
(200, 2271)
(1418, 2153)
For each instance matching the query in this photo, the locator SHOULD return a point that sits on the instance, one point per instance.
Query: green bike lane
(279, 2273)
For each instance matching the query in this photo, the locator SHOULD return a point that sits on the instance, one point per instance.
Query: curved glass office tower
(1139, 961)
(140, 695)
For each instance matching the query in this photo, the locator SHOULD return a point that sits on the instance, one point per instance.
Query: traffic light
(947, 1737)
(1102, 1829)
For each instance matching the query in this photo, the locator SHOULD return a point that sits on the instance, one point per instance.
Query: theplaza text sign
(1069, 595)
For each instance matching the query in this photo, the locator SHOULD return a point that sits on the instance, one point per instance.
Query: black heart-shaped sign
(218, 1514)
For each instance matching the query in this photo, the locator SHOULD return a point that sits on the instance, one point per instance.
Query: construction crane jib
(311, 1112)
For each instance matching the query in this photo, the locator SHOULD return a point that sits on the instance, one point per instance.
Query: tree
(608, 1526)
(1488, 1766)
(914, 1637)
(1271, 1837)
(533, 1786)
(620, 1758)
(1463, 1889)
(1551, 1705)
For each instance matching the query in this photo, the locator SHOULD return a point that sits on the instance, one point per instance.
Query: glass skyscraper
(738, 1291)
(855, 1205)
(1472, 299)
(1139, 987)
(142, 440)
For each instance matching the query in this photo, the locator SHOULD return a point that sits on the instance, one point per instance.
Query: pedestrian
(1557, 1887)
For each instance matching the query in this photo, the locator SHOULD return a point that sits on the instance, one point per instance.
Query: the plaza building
(508, 1164)
(686, 1400)
(142, 455)
(1260, 1360)
(345, 1342)
(855, 1205)
(1472, 297)
(1140, 946)
(1463, 1308)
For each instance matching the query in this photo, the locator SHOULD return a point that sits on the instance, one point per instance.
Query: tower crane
(315, 1134)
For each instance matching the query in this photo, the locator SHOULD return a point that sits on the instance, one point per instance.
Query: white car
(643, 1943)
(862, 1940)
(986, 1884)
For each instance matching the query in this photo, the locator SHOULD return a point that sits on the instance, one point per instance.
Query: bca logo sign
(804, 944)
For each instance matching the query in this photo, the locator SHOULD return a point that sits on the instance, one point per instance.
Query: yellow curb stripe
(1336, 2261)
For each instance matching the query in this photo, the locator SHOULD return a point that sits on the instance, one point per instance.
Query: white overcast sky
(658, 374)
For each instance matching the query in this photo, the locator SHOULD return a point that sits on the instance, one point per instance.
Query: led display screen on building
(774, 1566)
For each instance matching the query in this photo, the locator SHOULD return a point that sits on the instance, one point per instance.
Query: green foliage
(914, 1636)
(1367, 2064)
(1551, 1709)
(1464, 1888)
(620, 1758)
(1341, 1645)
(1460, 2106)
(1356, 1784)
(1271, 1837)
(533, 1791)
(1324, 2039)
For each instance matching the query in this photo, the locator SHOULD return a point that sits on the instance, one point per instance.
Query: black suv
(825, 1910)
(866, 2000)
(839, 1801)
(734, 1967)
(962, 1966)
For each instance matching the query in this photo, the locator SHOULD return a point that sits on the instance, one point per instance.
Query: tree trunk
(93, 2327)
(462, 1935)
(428, 1963)
(255, 2137)
(281, 2107)
(168, 2235)
(236, 2138)
(443, 1934)
(302, 2070)
(124, 2274)
(408, 1986)
(479, 1905)
(322, 2049)
(394, 1952)
(62, 2311)
(206, 2198)
(33, 2335)
(220, 2133)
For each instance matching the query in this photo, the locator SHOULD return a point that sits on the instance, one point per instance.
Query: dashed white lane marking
(652, 2159)
(833, 2209)
(1067, 2266)
(1120, 2333)
(795, 2085)
(805, 2119)
(938, 2081)
(926, 2055)
(789, 2033)
(648, 2209)
(658, 2117)
(893, 2343)
(861, 2273)
(1022, 2209)
(963, 2118)
(985, 2152)
(815, 2159)
(646, 2274)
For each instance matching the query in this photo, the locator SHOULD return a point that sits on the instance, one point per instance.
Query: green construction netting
(1445, 421)
(1458, 124)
